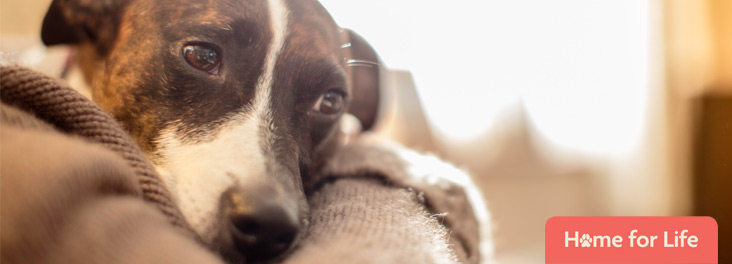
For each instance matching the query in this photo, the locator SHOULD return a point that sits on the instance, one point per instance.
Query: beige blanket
(76, 189)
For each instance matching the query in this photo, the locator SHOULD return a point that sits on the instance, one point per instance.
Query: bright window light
(579, 66)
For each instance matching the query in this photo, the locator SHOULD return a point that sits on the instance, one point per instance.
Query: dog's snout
(261, 225)
(264, 233)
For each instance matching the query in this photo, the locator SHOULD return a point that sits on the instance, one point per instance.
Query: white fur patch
(278, 16)
(198, 173)
(425, 168)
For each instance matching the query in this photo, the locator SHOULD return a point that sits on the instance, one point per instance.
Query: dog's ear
(76, 21)
(365, 81)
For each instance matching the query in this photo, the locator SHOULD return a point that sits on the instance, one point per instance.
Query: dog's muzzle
(261, 224)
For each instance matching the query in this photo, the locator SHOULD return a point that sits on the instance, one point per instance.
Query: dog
(236, 102)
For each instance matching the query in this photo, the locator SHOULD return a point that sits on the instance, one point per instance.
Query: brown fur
(131, 54)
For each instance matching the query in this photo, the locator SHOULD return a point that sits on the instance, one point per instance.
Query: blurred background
(556, 108)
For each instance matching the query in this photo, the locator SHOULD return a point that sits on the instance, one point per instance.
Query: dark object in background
(712, 165)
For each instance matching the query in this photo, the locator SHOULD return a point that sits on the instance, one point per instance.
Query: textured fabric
(88, 195)
(440, 186)
(360, 220)
(63, 200)
(70, 112)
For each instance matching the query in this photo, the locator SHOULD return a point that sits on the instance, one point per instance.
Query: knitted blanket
(76, 189)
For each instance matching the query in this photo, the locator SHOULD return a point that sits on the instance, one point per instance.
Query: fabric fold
(77, 189)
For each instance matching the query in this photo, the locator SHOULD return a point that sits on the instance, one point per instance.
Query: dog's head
(236, 101)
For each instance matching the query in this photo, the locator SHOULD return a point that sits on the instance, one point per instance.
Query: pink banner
(684, 239)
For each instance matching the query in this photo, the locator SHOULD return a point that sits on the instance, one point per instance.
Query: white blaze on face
(198, 173)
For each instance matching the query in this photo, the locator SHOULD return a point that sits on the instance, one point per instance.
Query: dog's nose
(262, 226)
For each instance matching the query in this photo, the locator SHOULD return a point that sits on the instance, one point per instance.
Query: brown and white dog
(235, 101)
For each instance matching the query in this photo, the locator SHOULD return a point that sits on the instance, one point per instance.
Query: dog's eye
(331, 102)
(202, 57)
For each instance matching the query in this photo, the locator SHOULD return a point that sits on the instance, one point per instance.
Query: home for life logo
(631, 239)
(586, 240)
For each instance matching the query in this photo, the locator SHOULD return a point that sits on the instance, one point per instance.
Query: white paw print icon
(585, 240)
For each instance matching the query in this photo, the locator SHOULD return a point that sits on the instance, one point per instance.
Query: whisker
(225, 26)
(361, 63)
(346, 45)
